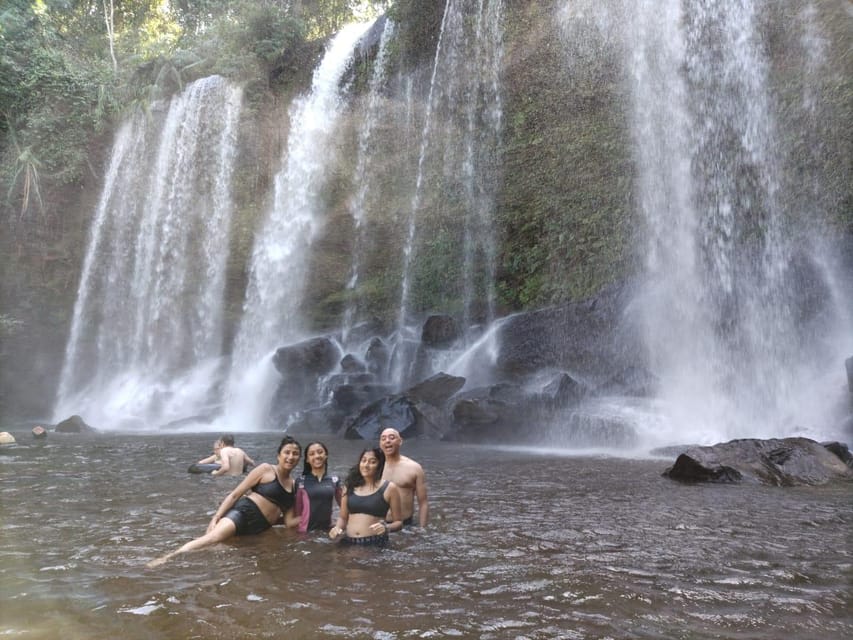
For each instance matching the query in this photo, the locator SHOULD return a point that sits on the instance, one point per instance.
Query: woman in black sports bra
(366, 501)
(265, 495)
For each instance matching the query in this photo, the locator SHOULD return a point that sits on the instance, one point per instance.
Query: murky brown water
(524, 544)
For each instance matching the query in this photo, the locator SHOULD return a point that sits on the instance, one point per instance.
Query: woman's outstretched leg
(223, 530)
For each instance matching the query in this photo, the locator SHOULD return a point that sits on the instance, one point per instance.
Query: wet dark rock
(593, 338)
(564, 391)
(348, 398)
(497, 411)
(366, 330)
(440, 331)
(74, 424)
(313, 357)
(778, 462)
(841, 450)
(420, 411)
(392, 411)
(436, 390)
(325, 419)
(377, 357)
(302, 367)
(351, 364)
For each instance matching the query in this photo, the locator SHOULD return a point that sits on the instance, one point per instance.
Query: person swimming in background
(263, 497)
(316, 490)
(233, 460)
(366, 503)
(214, 457)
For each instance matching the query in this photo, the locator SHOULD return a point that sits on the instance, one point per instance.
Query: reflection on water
(524, 544)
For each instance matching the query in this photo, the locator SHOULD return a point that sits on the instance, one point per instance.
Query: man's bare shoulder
(411, 464)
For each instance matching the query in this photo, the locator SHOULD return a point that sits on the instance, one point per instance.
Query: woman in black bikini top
(366, 501)
(264, 495)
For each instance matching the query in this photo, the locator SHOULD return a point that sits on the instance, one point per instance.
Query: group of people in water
(377, 496)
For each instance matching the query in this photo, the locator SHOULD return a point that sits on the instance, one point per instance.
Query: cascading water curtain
(458, 167)
(271, 309)
(146, 333)
(722, 297)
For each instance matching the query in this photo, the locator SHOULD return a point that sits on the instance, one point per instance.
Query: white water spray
(146, 333)
(461, 134)
(722, 295)
(361, 178)
(271, 312)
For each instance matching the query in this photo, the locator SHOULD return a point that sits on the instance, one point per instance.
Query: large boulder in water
(420, 411)
(6, 438)
(593, 337)
(496, 412)
(313, 357)
(779, 462)
(74, 424)
(301, 365)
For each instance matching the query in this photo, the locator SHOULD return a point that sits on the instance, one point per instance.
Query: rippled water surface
(523, 544)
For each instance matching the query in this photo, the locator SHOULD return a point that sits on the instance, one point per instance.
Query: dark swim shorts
(377, 541)
(247, 517)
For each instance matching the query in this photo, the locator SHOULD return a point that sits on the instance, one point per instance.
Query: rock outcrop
(780, 462)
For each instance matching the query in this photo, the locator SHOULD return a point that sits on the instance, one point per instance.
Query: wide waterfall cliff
(592, 223)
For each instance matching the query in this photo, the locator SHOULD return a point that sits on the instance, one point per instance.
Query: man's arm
(224, 463)
(421, 493)
(248, 460)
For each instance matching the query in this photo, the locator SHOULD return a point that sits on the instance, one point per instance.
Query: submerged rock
(74, 424)
(780, 462)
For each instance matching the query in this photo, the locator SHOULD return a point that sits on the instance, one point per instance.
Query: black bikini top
(276, 493)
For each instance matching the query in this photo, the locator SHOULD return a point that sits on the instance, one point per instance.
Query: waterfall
(362, 176)
(459, 144)
(271, 309)
(724, 298)
(483, 121)
(147, 327)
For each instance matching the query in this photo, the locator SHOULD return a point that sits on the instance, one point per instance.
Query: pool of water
(524, 543)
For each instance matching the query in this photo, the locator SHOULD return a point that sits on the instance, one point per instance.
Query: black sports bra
(373, 504)
(276, 493)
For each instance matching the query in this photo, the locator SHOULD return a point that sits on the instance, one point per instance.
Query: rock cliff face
(563, 198)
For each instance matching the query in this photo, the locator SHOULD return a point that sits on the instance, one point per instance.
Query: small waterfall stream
(362, 176)
(460, 142)
(147, 329)
(271, 312)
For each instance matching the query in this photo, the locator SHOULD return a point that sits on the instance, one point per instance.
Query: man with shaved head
(407, 474)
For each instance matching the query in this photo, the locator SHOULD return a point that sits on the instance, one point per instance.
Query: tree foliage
(67, 67)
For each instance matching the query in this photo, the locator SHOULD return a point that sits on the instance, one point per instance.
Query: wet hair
(286, 440)
(227, 440)
(355, 479)
(306, 467)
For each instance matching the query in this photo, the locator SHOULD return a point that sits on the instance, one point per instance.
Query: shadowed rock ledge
(784, 462)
